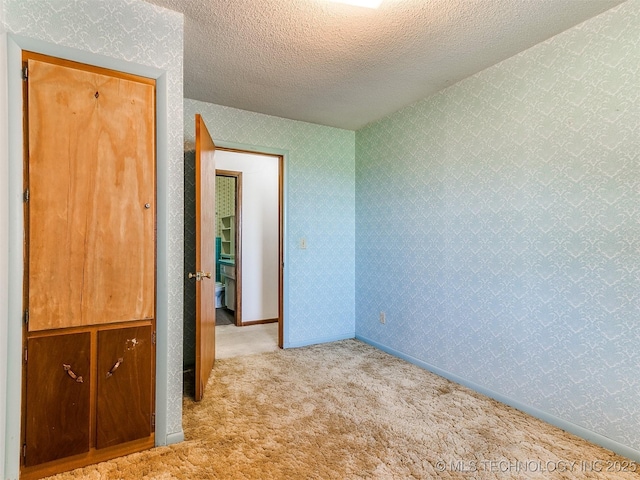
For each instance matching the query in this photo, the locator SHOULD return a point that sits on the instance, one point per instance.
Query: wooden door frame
(281, 205)
(237, 254)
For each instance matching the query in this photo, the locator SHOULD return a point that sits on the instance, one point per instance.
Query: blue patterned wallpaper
(320, 176)
(498, 226)
(148, 35)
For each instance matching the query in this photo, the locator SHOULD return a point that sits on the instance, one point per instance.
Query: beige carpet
(345, 411)
(232, 341)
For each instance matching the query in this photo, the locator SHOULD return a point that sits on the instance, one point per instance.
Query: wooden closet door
(91, 181)
(57, 397)
(124, 385)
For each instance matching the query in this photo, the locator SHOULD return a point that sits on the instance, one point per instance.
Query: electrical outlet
(383, 317)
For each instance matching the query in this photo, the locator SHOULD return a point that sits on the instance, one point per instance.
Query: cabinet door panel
(125, 397)
(57, 404)
(91, 176)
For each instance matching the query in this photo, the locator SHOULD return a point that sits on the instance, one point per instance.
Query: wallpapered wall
(225, 200)
(189, 301)
(320, 206)
(144, 34)
(498, 226)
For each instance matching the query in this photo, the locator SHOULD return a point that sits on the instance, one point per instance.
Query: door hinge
(25, 355)
(26, 316)
(25, 72)
(153, 420)
(24, 450)
(26, 195)
(153, 338)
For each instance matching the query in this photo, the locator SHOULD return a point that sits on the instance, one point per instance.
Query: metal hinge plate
(26, 316)
(25, 72)
(153, 338)
(26, 195)
(153, 420)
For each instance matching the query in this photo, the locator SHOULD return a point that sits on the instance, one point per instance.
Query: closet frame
(104, 348)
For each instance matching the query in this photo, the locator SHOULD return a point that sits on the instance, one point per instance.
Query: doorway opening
(249, 222)
(259, 218)
(228, 247)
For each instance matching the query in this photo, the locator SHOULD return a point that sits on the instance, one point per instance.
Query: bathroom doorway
(228, 247)
(253, 255)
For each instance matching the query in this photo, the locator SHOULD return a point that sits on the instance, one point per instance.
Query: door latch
(199, 275)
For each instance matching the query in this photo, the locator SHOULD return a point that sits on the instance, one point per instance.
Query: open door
(204, 276)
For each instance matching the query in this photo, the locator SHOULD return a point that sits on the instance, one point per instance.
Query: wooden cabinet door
(91, 208)
(57, 397)
(124, 384)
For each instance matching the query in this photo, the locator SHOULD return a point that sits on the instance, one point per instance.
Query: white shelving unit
(228, 237)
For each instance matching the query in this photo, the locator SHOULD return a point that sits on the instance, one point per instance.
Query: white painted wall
(259, 231)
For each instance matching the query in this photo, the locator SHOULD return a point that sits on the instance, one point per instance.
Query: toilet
(219, 294)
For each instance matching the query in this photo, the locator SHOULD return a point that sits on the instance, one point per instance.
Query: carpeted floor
(345, 411)
(232, 341)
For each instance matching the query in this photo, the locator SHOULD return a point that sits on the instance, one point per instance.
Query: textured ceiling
(346, 66)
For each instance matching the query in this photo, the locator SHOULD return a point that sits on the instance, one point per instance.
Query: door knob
(200, 275)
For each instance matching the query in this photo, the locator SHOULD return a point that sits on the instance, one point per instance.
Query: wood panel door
(91, 183)
(205, 282)
(125, 387)
(57, 423)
